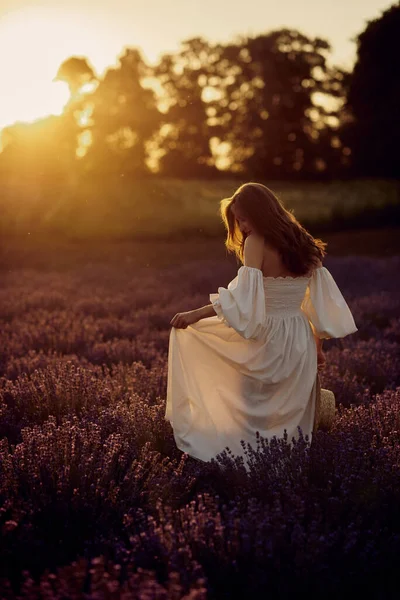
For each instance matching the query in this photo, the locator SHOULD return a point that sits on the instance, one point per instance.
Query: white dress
(253, 366)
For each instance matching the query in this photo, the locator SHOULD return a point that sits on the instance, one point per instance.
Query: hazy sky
(37, 35)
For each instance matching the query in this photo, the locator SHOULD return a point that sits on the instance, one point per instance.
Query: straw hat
(325, 408)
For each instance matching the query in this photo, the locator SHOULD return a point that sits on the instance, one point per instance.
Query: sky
(36, 36)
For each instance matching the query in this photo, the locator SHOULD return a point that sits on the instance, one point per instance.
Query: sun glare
(33, 44)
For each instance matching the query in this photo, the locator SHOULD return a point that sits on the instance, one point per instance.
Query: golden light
(33, 44)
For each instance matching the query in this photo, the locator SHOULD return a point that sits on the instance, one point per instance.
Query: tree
(124, 117)
(265, 109)
(81, 79)
(75, 72)
(45, 150)
(184, 139)
(372, 126)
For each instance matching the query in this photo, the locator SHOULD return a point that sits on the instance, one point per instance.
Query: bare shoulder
(254, 240)
(253, 250)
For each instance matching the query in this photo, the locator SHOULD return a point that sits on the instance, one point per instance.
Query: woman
(248, 361)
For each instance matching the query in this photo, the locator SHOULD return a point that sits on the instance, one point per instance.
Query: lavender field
(96, 501)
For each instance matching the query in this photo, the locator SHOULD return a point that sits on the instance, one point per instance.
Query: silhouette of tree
(184, 139)
(124, 118)
(76, 72)
(43, 153)
(255, 95)
(265, 108)
(371, 124)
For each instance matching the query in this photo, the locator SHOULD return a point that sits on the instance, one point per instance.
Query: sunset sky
(37, 35)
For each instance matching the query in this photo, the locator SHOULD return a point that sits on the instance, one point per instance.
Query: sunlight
(29, 92)
(27, 103)
(33, 44)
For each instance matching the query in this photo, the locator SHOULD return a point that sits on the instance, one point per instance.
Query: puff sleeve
(325, 307)
(242, 304)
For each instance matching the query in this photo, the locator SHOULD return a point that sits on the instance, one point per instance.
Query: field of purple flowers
(96, 501)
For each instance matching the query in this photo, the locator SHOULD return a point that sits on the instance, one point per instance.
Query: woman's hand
(183, 319)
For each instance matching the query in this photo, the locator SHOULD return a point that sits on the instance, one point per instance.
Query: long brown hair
(298, 249)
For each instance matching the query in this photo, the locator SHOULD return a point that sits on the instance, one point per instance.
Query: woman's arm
(253, 255)
(182, 320)
(205, 311)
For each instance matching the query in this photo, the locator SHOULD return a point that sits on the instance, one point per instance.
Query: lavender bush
(96, 501)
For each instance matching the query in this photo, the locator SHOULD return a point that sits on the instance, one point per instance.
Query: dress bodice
(251, 299)
(284, 295)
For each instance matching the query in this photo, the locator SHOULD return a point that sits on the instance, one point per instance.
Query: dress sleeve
(325, 307)
(242, 304)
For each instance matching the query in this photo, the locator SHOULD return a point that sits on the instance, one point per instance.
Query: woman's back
(272, 264)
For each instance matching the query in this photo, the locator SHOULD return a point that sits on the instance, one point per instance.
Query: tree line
(267, 106)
